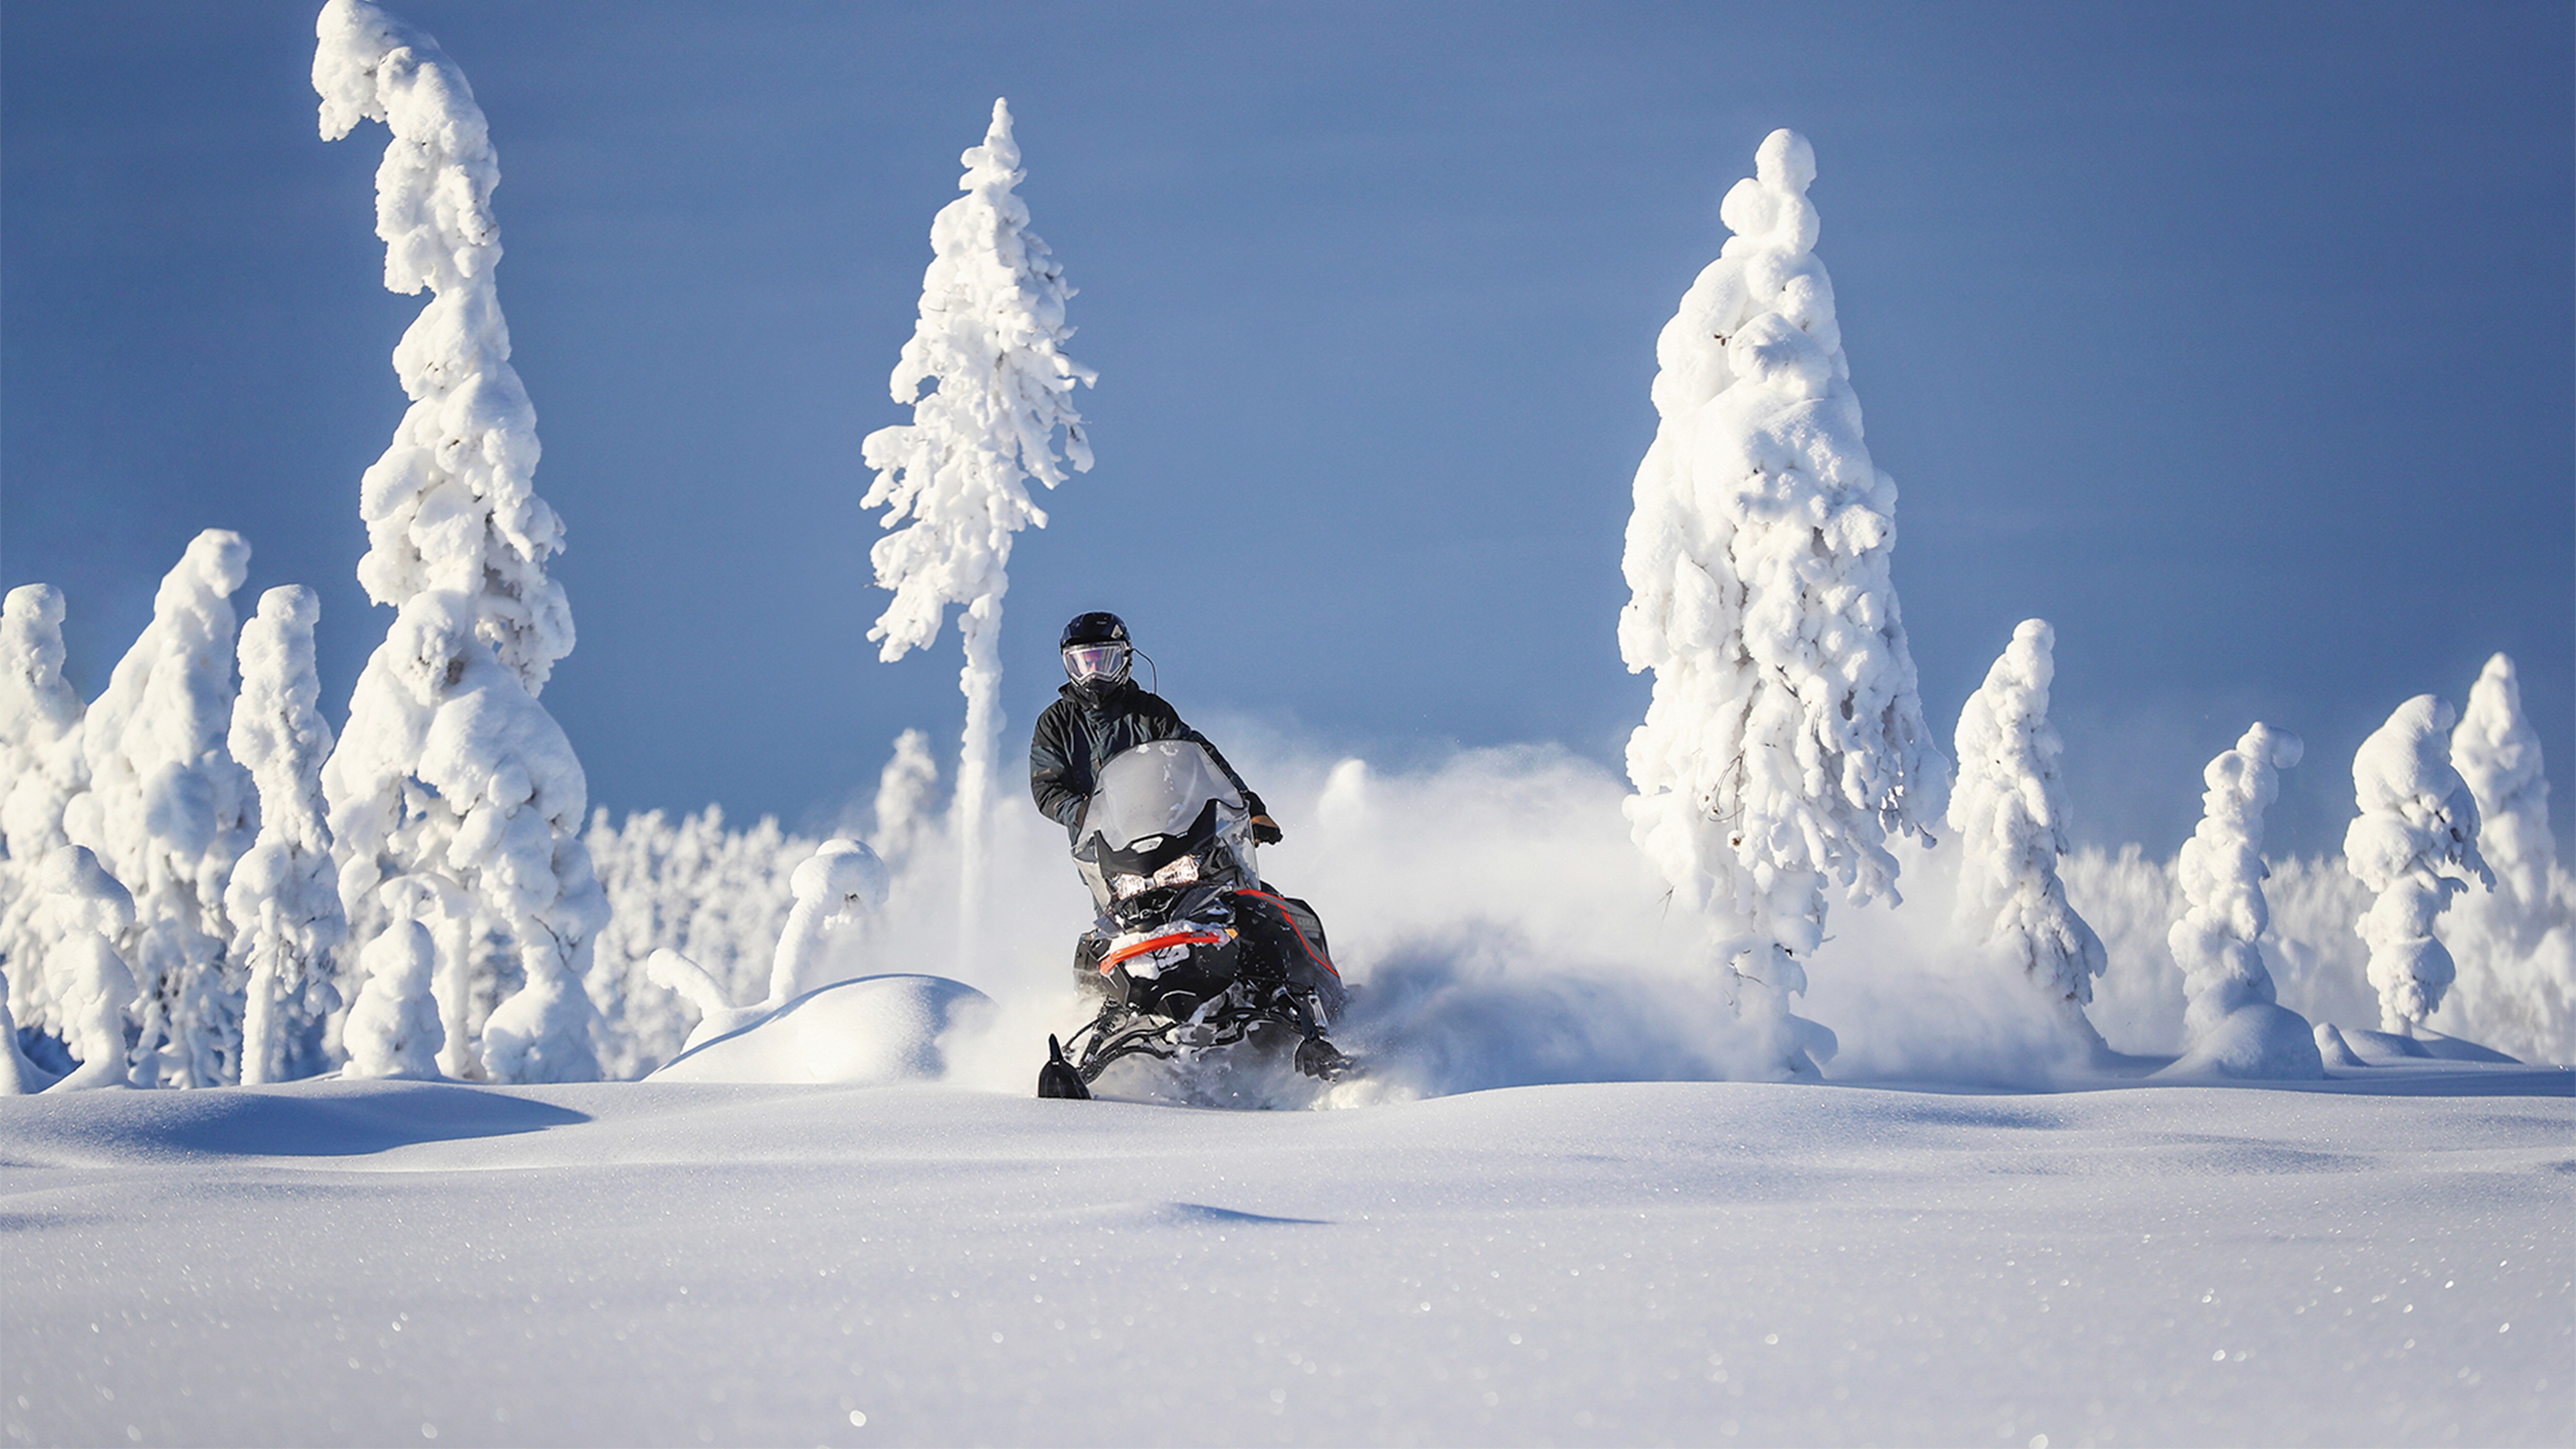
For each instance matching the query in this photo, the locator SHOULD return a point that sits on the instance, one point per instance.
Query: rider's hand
(1265, 831)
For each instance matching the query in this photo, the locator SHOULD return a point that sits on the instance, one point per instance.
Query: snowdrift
(872, 1032)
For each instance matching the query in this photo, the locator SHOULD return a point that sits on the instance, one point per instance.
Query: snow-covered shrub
(83, 914)
(1785, 742)
(2009, 810)
(715, 896)
(2415, 844)
(954, 481)
(448, 768)
(2515, 947)
(167, 813)
(2236, 1026)
(837, 889)
(284, 899)
(393, 1028)
(41, 768)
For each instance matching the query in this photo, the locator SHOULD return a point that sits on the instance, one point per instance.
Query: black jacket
(1073, 737)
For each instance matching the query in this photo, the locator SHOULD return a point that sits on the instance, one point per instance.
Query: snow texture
(2237, 1028)
(167, 813)
(954, 481)
(1582, 1264)
(41, 769)
(284, 897)
(2009, 812)
(2415, 845)
(873, 1031)
(394, 1028)
(449, 769)
(1785, 741)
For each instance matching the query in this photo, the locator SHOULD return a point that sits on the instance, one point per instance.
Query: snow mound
(873, 1031)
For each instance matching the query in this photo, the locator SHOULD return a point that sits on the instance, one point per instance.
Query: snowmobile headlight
(1127, 887)
(1184, 871)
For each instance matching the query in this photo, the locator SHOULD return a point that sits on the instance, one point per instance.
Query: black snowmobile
(1192, 951)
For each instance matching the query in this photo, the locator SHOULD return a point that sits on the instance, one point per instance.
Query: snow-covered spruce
(2515, 947)
(902, 816)
(716, 897)
(167, 813)
(41, 768)
(83, 912)
(954, 481)
(1785, 742)
(2415, 844)
(2009, 810)
(2235, 1025)
(448, 769)
(284, 899)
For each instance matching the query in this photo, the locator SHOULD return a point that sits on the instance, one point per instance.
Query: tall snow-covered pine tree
(448, 768)
(2235, 1024)
(954, 481)
(2415, 844)
(1785, 741)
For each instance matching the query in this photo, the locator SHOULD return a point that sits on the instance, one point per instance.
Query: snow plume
(1785, 742)
(41, 768)
(284, 898)
(2415, 843)
(902, 818)
(2010, 812)
(83, 912)
(167, 813)
(717, 897)
(954, 481)
(2236, 1027)
(448, 769)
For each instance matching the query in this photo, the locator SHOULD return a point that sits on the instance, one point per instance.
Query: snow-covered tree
(2235, 1024)
(954, 481)
(41, 768)
(83, 914)
(393, 1028)
(2497, 754)
(167, 813)
(448, 768)
(837, 889)
(2009, 810)
(1785, 742)
(2415, 843)
(284, 899)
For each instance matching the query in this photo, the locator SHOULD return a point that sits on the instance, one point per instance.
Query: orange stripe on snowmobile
(1178, 938)
(1291, 919)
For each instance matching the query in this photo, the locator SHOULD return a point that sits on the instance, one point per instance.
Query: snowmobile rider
(1100, 714)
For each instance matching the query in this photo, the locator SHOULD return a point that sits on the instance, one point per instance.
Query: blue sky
(2235, 340)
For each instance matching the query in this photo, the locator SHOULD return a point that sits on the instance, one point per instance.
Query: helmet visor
(1095, 661)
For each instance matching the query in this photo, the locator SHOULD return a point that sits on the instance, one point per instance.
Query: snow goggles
(1095, 661)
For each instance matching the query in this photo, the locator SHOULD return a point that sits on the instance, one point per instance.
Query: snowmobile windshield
(1157, 788)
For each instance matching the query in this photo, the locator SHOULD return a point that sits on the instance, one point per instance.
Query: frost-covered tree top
(277, 731)
(40, 717)
(1786, 739)
(954, 481)
(2009, 809)
(2221, 871)
(2497, 753)
(452, 505)
(284, 898)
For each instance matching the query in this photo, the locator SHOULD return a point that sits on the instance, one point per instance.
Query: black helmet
(1095, 653)
(1096, 627)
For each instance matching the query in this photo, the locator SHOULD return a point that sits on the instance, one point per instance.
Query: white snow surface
(872, 1031)
(1606, 1263)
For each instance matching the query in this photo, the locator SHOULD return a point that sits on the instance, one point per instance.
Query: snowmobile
(1192, 953)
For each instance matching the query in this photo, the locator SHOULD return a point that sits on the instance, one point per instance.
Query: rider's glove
(1265, 831)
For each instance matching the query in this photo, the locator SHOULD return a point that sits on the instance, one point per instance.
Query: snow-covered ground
(2381, 1260)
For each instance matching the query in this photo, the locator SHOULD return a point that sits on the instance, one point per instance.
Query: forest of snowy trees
(203, 883)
